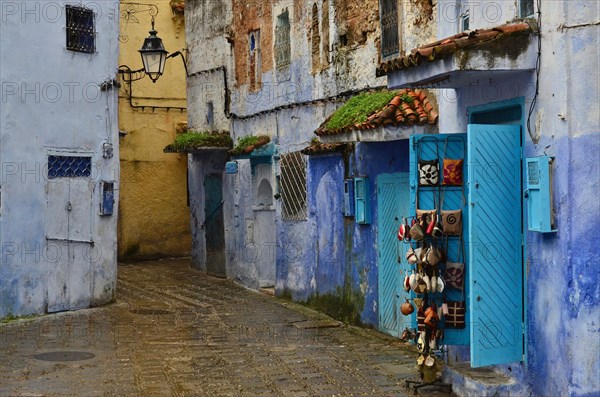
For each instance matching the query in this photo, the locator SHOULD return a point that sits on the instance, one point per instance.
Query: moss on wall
(344, 304)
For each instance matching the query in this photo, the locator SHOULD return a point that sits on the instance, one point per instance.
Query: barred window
(293, 186)
(390, 43)
(81, 35)
(282, 40)
(69, 166)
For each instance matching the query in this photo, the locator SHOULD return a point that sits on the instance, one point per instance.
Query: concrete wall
(562, 285)
(154, 217)
(52, 103)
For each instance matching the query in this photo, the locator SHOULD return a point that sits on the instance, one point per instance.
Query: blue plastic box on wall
(107, 198)
(362, 201)
(231, 167)
(540, 212)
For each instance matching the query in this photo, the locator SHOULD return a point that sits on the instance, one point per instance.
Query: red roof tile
(445, 47)
(407, 108)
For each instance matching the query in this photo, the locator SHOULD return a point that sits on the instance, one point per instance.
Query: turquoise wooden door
(214, 225)
(392, 203)
(495, 244)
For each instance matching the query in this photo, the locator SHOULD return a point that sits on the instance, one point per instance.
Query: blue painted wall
(337, 268)
(563, 284)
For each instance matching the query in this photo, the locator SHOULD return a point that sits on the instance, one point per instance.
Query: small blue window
(69, 166)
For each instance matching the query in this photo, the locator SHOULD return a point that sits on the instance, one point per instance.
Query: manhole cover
(64, 356)
(154, 312)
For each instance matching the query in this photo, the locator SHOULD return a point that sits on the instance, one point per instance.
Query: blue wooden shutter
(362, 201)
(495, 244)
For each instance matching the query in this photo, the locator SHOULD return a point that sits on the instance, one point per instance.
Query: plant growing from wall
(359, 108)
(195, 140)
(247, 144)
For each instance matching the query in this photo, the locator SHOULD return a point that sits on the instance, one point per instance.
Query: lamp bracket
(129, 10)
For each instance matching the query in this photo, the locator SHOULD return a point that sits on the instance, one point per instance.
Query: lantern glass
(154, 56)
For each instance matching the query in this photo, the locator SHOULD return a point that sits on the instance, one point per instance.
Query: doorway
(393, 202)
(214, 226)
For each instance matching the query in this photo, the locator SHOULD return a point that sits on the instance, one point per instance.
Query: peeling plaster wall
(563, 283)
(45, 107)
(354, 58)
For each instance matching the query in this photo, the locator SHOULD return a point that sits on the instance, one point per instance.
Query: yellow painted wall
(154, 217)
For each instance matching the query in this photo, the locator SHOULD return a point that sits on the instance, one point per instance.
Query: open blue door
(495, 244)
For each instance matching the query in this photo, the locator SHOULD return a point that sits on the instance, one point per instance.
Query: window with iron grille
(390, 43)
(282, 40)
(69, 167)
(293, 186)
(81, 36)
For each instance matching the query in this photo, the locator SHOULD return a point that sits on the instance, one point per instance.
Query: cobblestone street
(176, 332)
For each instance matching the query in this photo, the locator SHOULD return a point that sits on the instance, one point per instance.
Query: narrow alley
(176, 332)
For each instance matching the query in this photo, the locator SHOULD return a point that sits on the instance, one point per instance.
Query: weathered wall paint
(562, 281)
(336, 269)
(290, 129)
(154, 219)
(55, 107)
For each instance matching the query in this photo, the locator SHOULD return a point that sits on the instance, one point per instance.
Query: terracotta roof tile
(449, 45)
(407, 108)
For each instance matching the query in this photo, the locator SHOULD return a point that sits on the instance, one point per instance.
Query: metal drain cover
(148, 311)
(64, 356)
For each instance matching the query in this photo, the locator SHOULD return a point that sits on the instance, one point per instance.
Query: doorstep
(480, 382)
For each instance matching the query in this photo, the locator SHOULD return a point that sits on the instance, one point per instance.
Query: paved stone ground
(176, 332)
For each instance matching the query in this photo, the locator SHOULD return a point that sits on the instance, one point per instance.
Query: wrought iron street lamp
(154, 55)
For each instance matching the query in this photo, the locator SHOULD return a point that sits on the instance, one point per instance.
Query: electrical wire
(537, 69)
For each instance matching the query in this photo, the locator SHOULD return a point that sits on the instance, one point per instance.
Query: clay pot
(407, 308)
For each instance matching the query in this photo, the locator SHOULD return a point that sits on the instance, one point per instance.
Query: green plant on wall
(359, 108)
(195, 140)
(248, 143)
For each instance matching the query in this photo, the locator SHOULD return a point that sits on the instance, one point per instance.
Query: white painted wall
(51, 102)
